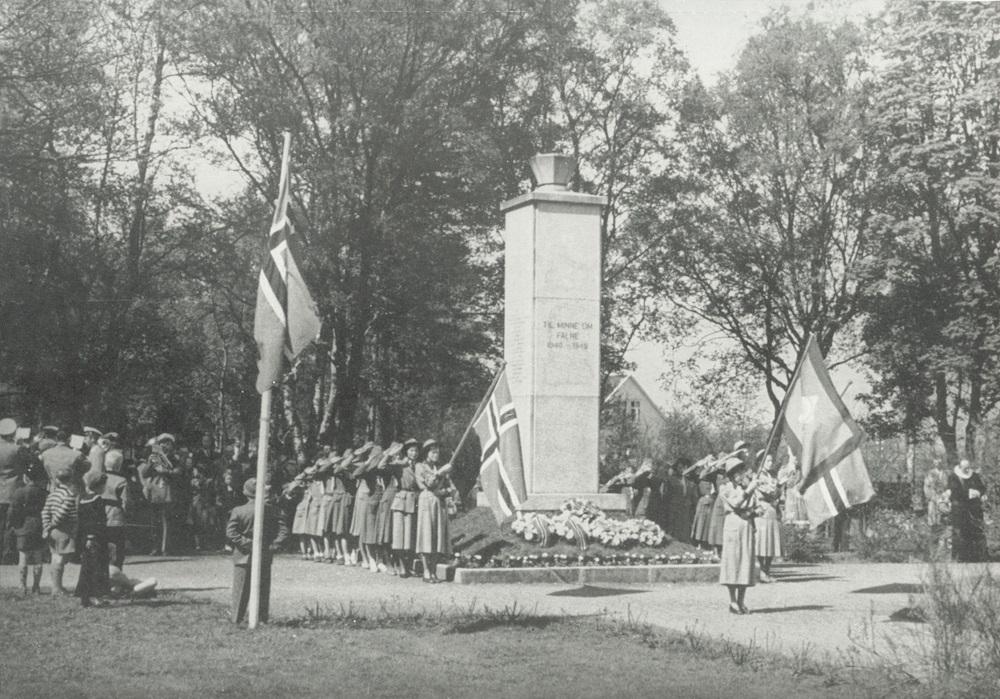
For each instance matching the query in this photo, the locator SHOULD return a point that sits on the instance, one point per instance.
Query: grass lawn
(176, 646)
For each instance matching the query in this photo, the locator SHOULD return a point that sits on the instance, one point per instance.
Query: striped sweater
(60, 510)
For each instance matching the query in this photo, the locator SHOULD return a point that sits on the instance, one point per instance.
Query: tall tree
(933, 321)
(396, 175)
(764, 229)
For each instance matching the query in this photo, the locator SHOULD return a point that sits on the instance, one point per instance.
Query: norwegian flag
(502, 471)
(825, 440)
(285, 320)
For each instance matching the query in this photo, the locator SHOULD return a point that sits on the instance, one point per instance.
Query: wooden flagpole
(263, 440)
(253, 606)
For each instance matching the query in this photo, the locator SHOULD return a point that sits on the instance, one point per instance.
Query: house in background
(629, 415)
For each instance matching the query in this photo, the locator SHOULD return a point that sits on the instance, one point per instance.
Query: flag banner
(825, 440)
(501, 472)
(285, 320)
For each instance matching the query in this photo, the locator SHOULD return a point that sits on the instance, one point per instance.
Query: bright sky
(712, 33)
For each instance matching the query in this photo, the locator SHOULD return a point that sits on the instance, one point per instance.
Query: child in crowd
(59, 525)
(202, 515)
(92, 542)
(26, 520)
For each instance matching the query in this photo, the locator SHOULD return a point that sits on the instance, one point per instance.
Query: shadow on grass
(195, 589)
(591, 591)
(144, 560)
(802, 578)
(892, 588)
(485, 624)
(156, 602)
(797, 608)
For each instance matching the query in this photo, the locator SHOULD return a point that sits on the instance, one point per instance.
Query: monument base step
(581, 575)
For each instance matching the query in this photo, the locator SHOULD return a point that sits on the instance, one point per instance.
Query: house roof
(619, 380)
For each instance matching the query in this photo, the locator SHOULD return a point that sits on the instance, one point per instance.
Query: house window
(633, 410)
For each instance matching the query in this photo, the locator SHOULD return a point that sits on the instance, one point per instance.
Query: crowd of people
(384, 509)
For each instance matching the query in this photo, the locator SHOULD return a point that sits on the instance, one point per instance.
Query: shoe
(765, 578)
(382, 567)
(743, 609)
(734, 608)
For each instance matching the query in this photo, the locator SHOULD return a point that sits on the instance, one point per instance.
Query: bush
(801, 545)
(892, 536)
(962, 650)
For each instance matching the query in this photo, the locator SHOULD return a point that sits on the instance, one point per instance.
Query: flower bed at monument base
(481, 543)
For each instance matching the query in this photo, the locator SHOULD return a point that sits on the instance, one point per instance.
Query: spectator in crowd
(161, 475)
(967, 493)
(202, 513)
(239, 533)
(14, 462)
(92, 542)
(62, 456)
(26, 520)
(59, 524)
(115, 496)
(936, 493)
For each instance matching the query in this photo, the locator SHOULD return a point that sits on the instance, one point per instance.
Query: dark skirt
(702, 515)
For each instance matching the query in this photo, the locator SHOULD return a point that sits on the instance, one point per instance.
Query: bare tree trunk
(292, 418)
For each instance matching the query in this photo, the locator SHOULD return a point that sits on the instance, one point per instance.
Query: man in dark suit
(61, 456)
(239, 533)
(14, 462)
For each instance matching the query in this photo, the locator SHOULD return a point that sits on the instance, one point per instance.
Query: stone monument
(552, 335)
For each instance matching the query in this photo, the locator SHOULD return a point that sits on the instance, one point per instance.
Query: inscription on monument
(569, 334)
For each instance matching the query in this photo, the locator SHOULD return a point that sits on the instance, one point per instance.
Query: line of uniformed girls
(376, 508)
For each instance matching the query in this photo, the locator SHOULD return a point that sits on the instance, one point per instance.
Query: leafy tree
(932, 320)
(763, 230)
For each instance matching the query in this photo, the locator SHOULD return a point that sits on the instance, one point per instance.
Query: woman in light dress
(737, 569)
(433, 538)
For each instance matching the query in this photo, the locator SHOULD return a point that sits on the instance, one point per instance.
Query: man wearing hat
(63, 456)
(47, 438)
(14, 462)
(161, 474)
(239, 533)
(116, 500)
(93, 449)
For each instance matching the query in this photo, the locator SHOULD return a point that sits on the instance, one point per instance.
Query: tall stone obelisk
(552, 336)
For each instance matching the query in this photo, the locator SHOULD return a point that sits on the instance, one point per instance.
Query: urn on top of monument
(552, 171)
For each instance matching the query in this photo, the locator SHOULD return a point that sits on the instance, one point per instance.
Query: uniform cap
(7, 427)
(411, 442)
(92, 430)
(250, 488)
(165, 437)
(431, 443)
(733, 464)
(112, 436)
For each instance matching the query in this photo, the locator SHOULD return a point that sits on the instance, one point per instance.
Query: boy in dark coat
(26, 520)
(92, 541)
(239, 534)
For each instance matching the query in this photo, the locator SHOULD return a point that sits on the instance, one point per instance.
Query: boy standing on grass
(59, 524)
(239, 533)
(26, 520)
(92, 541)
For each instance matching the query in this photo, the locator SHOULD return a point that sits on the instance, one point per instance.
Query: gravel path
(827, 607)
